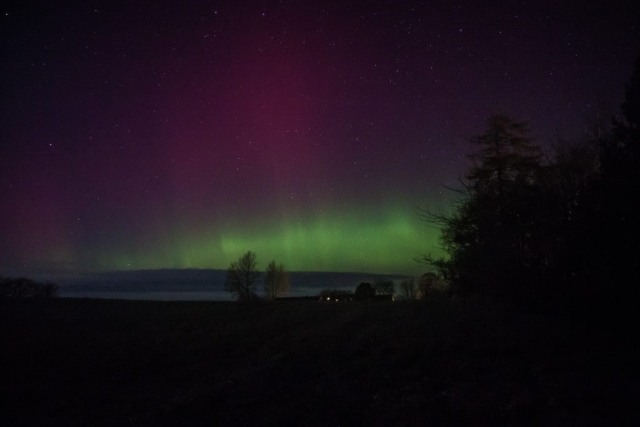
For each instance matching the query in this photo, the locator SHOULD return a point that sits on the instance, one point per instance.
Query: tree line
(243, 278)
(23, 287)
(554, 229)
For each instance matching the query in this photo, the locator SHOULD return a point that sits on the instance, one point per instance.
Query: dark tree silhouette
(50, 290)
(408, 290)
(242, 277)
(615, 201)
(507, 153)
(488, 234)
(365, 291)
(426, 284)
(276, 281)
(384, 287)
(561, 232)
(23, 287)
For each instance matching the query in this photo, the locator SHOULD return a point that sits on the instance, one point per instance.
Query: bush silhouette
(23, 287)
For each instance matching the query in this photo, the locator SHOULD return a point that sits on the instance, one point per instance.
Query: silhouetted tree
(554, 232)
(488, 234)
(384, 287)
(562, 221)
(507, 154)
(50, 290)
(407, 289)
(426, 284)
(242, 277)
(276, 281)
(597, 192)
(615, 201)
(365, 291)
(23, 287)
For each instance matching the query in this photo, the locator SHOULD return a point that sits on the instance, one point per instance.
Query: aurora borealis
(143, 135)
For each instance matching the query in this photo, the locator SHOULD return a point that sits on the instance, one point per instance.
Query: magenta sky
(181, 134)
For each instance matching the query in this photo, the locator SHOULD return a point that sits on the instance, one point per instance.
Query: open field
(107, 362)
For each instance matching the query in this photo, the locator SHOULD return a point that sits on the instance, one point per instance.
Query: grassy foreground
(101, 362)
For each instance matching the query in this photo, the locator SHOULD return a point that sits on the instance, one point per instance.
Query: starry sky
(158, 134)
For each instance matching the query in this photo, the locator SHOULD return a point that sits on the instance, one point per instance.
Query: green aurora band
(382, 243)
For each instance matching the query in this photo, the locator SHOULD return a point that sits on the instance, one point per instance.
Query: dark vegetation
(23, 287)
(381, 290)
(276, 281)
(365, 291)
(549, 233)
(103, 362)
(243, 277)
(384, 287)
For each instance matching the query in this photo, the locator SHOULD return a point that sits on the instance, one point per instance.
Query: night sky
(156, 134)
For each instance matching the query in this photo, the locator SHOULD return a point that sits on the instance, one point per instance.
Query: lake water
(149, 295)
(175, 295)
(194, 285)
